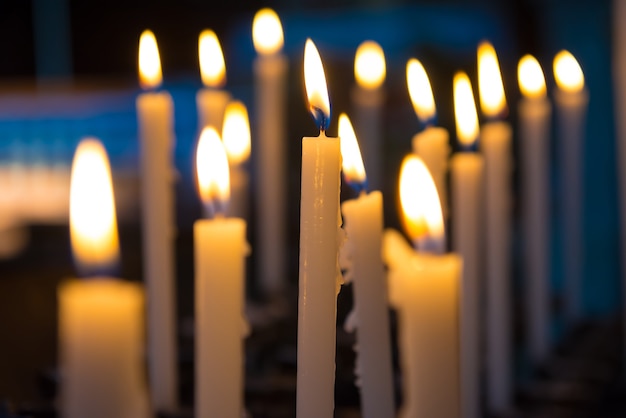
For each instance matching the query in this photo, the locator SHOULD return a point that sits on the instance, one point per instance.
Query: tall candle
(270, 72)
(236, 137)
(363, 222)
(571, 99)
(320, 235)
(155, 114)
(212, 99)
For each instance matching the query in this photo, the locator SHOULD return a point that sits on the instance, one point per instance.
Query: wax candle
(100, 318)
(320, 236)
(571, 99)
(220, 249)
(155, 114)
(432, 143)
(212, 99)
(424, 287)
(363, 222)
(270, 88)
(236, 137)
(368, 96)
(535, 112)
(466, 177)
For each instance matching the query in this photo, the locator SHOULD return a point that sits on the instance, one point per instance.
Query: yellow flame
(419, 200)
(212, 66)
(352, 162)
(212, 167)
(465, 110)
(315, 80)
(236, 132)
(267, 32)
(93, 223)
(491, 90)
(420, 90)
(532, 83)
(567, 72)
(369, 65)
(150, 76)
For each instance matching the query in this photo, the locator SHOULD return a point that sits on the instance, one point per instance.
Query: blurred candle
(155, 114)
(571, 99)
(320, 236)
(270, 87)
(236, 137)
(212, 99)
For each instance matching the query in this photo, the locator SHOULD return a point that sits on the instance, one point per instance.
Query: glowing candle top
(150, 76)
(567, 72)
(420, 92)
(465, 111)
(532, 82)
(352, 162)
(267, 32)
(236, 133)
(213, 173)
(315, 84)
(490, 87)
(369, 65)
(212, 66)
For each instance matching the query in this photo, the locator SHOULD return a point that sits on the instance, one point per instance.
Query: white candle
(155, 114)
(368, 96)
(270, 72)
(363, 222)
(212, 99)
(236, 137)
(220, 250)
(535, 112)
(571, 99)
(320, 236)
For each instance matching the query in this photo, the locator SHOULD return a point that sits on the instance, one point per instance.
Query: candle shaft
(239, 182)
(432, 145)
(368, 126)
(211, 107)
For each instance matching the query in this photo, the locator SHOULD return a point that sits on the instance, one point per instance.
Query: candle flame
(212, 170)
(567, 72)
(420, 91)
(267, 32)
(212, 66)
(532, 83)
(236, 132)
(490, 87)
(465, 110)
(93, 222)
(369, 65)
(352, 162)
(150, 76)
(316, 88)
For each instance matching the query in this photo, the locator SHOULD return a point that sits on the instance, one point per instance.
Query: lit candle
(155, 114)
(425, 289)
(100, 318)
(270, 84)
(320, 236)
(535, 112)
(220, 248)
(212, 99)
(432, 143)
(363, 223)
(466, 177)
(571, 99)
(236, 137)
(368, 97)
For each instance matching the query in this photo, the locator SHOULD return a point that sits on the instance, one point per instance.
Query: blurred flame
(315, 83)
(369, 65)
(532, 83)
(420, 91)
(491, 90)
(212, 66)
(465, 110)
(267, 32)
(212, 169)
(567, 72)
(352, 162)
(150, 76)
(236, 132)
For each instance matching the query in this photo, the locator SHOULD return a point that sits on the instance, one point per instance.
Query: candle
(363, 222)
(220, 249)
(155, 114)
(100, 318)
(466, 177)
(368, 97)
(425, 287)
(432, 143)
(571, 99)
(320, 236)
(236, 137)
(270, 72)
(535, 112)
(212, 99)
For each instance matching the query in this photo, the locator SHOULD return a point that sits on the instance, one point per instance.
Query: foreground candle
(220, 250)
(320, 234)
(212, 99)
(155, 114)
(363, 222)
(236, 137)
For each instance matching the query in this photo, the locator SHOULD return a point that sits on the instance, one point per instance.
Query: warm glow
(420, 91)
(267, 32)
(93, 223)
(491, 90)
(212, 66)
(352, 162)
(149, 61)
(465, 110)
(212, 169)
(315, 83)
(532, 83)
(369, 65)
(236, 133)
(567, 72)
(419, 200)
